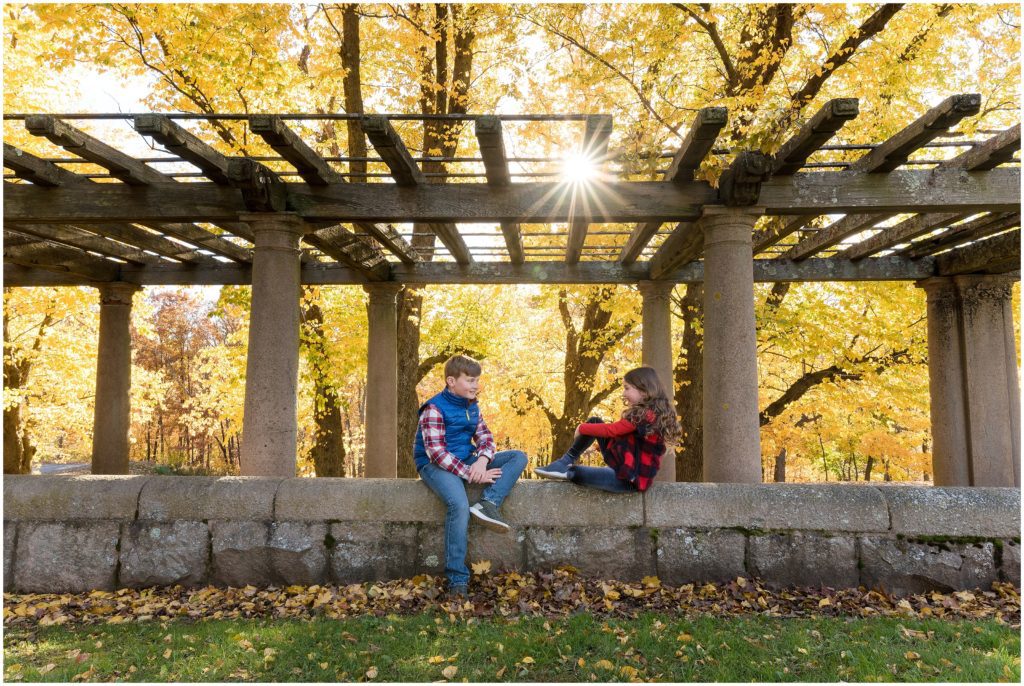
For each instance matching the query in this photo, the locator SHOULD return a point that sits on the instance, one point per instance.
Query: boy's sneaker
(458, 592)
(559, 469)
(487, 513)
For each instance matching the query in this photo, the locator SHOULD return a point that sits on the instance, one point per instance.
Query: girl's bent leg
(452, 492)
(602, 478)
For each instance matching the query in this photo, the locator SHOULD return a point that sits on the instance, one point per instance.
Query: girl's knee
(595, 420)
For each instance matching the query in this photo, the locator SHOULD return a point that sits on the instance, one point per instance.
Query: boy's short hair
(458, 365)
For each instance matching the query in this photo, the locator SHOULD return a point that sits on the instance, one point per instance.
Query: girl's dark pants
(602, 478)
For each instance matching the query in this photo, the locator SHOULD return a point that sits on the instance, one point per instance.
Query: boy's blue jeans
(451, 490)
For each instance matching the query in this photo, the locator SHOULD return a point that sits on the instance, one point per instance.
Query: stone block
(357, 500)
(372, 551)
(503, 550)
(10, 530)
(66, 557)
(811, 507)
(803, 559)
(610, 553)
(241, 554)
(546, 503)
(686, 556)
(902, 567)
(954, 511)
(164, 554)
(61, 498)
(196, 498)
(1009, 565)
(298, 552)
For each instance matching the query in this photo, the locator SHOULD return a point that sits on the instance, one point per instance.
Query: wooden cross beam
(993, 256)
(83, 240)
(776, 229)
(492, 149)
(822, 126)
(681, 246)
(888, 155)
(985, 155)
(392, 150)
(965, 232)
(315, 171)
(834, 233)
(185, 145)
(351, 251)
(699, 141)
(40, 172)
(596, 134)
(63, 260)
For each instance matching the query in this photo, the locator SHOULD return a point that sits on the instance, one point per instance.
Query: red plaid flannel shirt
(433, 430)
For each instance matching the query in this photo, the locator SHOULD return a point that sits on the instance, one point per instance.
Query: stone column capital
(655, 290)
(275, 230)
(720, 214)
(979, 287)
(117, 293)
(386, 290)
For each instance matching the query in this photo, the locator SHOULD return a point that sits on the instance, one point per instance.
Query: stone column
(271, 371)
(945, 384)
(990, 379)
(112, 413)
(657, 349)
(972, 370)
(382, 382)
(732, 441)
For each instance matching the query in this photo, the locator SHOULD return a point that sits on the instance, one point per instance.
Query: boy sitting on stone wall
(454, 447)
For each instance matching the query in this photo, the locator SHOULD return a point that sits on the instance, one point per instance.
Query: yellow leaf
(684, 638)
(371, 673)
(527, 660)
(581, 662)
(47, 668)
(823, 602)
(627, 671)
(604, 664)
(911, 655)
(167, 654)
(481, 567)
(499, 673)
(436, 659)
(651, 582)
(802, 651)
(450, 671)
(323, 665)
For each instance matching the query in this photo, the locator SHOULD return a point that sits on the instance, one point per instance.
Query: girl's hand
(490, 476)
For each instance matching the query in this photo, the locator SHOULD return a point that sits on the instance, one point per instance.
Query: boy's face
(464, 386)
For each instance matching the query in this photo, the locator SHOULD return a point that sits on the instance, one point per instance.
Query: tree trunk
(780, 467)
(689, 394)
(18, 448)
(328, 451)
(867, 468)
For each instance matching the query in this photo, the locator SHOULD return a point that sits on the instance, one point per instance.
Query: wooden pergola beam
(683, 245)
(992, 256)
(392, 150)
(83, 240)
(812, 194)
(350, 250)
(184, 144)
(776, 229)
(897, 149)
(834, 233)
(822, 126)
(492, 149)
(597, 132)
(63, 260)
(985, 155)
(40, 172)
(313, 168)
(964, 232)
(767, 271)
(120, 165)
(699, 141)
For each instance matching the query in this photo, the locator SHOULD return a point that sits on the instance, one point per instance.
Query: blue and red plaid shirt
(433, 430)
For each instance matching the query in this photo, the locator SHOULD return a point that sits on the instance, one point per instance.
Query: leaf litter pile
(559, 593)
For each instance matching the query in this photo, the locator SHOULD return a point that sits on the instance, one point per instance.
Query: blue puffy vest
(460, 419)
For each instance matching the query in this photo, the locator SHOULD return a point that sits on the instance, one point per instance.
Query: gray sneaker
(558, 470)
(487, 513)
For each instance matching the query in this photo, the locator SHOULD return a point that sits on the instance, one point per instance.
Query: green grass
(579, 648)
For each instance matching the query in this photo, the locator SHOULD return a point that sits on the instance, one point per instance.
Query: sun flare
(579, 169)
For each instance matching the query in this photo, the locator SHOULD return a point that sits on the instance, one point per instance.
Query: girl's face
(632, 395)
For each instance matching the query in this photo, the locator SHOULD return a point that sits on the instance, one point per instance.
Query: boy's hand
(480, 474)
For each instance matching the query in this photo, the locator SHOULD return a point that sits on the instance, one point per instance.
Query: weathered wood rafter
(492, 149)
(62, 260)
(83, 240)
(388, 144)
(885, 157)
(597, 132)
(816, 132)
(699, 140)
(965, 232)
(991, 256)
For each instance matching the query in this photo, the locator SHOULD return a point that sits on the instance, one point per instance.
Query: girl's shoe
(558, 470)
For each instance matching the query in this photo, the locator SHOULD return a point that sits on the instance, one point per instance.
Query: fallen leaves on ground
(553, 594)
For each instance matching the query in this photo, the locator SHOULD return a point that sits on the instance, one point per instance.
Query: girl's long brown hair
(646, 380)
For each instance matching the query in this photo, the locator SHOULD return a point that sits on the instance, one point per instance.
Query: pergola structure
(950, 224)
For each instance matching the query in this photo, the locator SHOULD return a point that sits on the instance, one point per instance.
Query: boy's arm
(484, 440)
(619, 428)
(432, 429)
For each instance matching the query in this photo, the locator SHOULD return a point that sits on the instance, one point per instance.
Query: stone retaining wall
(67, 534)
